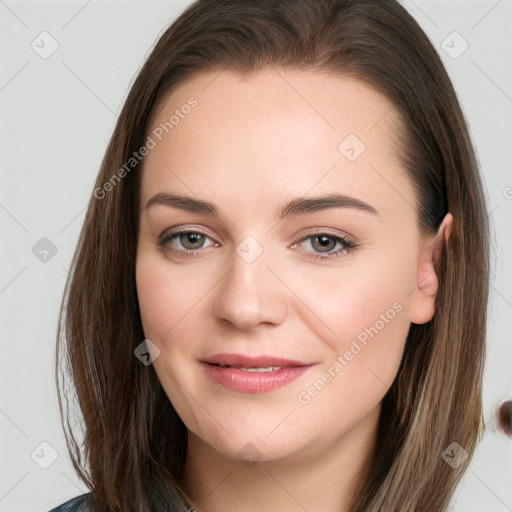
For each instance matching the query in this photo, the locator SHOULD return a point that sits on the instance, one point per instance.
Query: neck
(325, 478)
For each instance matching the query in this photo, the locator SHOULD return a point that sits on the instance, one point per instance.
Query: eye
(190, 240)
(325, 245)
(186, 242)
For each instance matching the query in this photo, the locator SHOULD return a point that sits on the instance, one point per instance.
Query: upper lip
(248, 361)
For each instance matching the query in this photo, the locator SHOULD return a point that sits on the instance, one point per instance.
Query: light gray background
(56, 116)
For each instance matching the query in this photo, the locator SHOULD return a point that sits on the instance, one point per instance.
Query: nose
(250, 296)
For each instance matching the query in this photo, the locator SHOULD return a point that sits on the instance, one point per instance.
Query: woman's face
(278, 237)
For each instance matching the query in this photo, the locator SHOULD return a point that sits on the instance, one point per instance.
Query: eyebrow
(299, 206)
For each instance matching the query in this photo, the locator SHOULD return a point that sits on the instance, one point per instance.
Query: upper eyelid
(317, 230)
(171, 232)
(323, 231)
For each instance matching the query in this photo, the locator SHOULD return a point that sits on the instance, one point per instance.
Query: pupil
(323, 243)
(192, 240)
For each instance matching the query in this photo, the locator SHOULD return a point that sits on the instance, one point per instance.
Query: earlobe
(429, 258)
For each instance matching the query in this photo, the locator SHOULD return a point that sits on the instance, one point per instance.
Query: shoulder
(78, 504)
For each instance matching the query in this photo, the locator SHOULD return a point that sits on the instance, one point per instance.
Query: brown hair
(134, 442)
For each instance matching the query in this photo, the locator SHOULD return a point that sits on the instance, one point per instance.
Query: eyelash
(164, 244)
(347, 246)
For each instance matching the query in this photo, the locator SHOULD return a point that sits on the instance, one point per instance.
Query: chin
(249, 444)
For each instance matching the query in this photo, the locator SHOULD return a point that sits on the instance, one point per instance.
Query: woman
(279, 294)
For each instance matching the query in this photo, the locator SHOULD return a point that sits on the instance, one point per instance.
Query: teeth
(267, 369)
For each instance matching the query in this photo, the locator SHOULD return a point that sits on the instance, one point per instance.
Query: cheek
(367, 347)
(168, 302)
(370, 292)
(167, 295)
(155, 299)
(360, 365)
(366, 310)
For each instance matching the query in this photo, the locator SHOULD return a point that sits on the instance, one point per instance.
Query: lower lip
(252, 382)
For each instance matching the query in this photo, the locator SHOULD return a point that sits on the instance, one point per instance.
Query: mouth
(252, 361)
(257, 369)
(252, 374)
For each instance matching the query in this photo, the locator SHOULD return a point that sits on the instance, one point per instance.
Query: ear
(423, 304)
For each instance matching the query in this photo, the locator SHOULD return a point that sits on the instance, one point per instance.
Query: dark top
(78, 504)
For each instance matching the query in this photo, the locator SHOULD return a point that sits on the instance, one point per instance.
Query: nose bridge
(250, 295)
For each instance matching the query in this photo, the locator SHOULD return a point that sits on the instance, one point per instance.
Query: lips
(247, 361)
(252, 374)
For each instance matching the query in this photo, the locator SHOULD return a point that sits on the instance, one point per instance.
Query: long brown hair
(134, 445)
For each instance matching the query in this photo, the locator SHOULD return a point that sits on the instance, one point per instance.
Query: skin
(249, 146)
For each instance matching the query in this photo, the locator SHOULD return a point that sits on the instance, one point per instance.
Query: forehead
(321, 102)
(274, 132)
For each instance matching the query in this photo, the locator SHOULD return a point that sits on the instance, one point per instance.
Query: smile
(252, 378)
